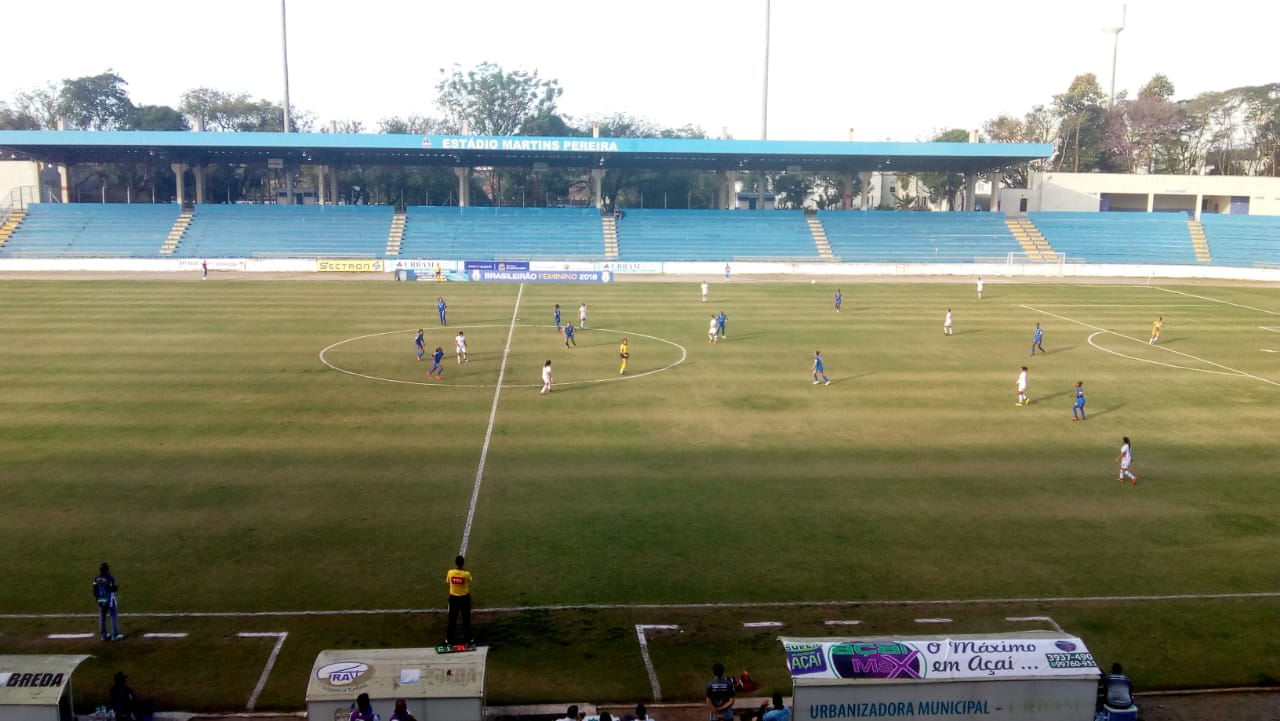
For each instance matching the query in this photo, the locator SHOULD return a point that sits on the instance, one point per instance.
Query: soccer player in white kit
(1126, 458)
(1022, 388)
(946, 324)
(546, 379)
(979, 289)
(713, 332)
(460, 347)
(705, 288)
(582, 316)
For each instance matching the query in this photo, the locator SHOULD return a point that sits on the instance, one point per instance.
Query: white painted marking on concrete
(280, 636)
(1153, 362)
(164, 635)
(762, 624)
(844, 623)
(644, 654)
(64, 636)
(488, 431)
(884, 603)
(1036, 619)
(933, 620)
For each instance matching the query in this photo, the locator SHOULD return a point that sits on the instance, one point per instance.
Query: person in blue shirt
(1035, 340)
(568, 335)
(721, 319)
(1077, 411)
(440, 306)
(559, 328)
(817, 369)
(417, 341)
(437, 368)
(779, 712)
(839, 299)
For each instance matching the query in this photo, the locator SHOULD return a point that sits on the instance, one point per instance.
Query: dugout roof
(343, 149)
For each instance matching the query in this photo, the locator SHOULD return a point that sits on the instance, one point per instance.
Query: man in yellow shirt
(459, 581)
(1156, 325)
(624, 351)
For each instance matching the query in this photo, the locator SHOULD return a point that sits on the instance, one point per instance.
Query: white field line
(1036, 619)
(1152, 362)
(279, 636)
(762, 624)
(64, 636)
(843, 623)
(644, 654)
(933, 620)
(887, 603)
(1269, 328)
(324, 358)
(164, 635)
(1230, 370)
(488, 431)
(1217, 300)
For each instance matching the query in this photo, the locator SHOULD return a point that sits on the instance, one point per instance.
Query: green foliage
(231, 112)
(158, 117)
(97, 102)
(488, 100)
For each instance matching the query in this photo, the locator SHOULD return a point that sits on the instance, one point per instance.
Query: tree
(1081, 125)
(95, 102)
(943, 187)
(216, 110)
(488, 100)
(1034, 127)
(17, 118)
(158, 117)
(38, 104)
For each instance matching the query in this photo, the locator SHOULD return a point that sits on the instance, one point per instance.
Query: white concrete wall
(1082, 191)
(16, 174)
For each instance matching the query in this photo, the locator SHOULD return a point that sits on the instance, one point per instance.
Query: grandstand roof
(81, 146)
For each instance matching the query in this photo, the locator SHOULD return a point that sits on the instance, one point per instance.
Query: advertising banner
(958, 657)
(616, 267)
(349, 265)
(541, 276)
(421, 265)
(496, 265)
(214, 263)
(561, 265)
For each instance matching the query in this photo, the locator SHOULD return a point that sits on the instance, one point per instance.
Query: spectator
(1119, 691)
(779, 712)
(363, 710)
(123, 701)
(402, 711)
(571, 714)
(642, 714)
(720, 695)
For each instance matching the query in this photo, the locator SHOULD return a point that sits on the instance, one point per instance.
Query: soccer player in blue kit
(721, 320)
(1077, 411)
(557, 314)
(417, 341)
(839, 299)
(817, 368)
(1035, 340)
(440, 306)
(437, 369)
(568, 335)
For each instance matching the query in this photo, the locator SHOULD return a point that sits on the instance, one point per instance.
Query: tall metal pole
(284, 46)
(764, 104)
(1115, 51)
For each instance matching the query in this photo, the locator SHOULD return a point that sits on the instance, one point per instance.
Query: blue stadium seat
(714, 235)
(881, 236)
(247, 231)
(454, 233)
(90, 230)
(1119, 237)
(1243, 240)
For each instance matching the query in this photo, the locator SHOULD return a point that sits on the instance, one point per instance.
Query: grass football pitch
(256, 447)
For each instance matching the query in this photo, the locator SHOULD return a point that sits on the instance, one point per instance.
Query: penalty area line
(279, 636)
(648, 660)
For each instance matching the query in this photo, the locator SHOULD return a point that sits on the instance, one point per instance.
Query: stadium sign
(551, 145)
(616, 267)
(541, 276)
(496, 265)
(938, 658)
(353, 265)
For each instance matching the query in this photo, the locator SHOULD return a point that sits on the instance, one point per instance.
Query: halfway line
(488, 431)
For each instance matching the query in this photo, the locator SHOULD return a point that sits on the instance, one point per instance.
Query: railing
(19, 198)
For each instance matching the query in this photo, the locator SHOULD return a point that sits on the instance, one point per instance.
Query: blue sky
(890, 71)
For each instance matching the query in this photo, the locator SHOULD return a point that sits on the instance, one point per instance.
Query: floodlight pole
(1115, 51)
(764, 109)
(284, 46)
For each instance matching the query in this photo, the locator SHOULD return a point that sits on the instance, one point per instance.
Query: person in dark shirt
(720, 695)
(1118, 689)
(123, 701)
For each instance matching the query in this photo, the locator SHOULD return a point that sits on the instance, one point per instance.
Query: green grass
(189, 434)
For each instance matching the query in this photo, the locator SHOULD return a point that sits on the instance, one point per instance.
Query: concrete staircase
(177, 232)
(10, 224)
(396, 235)
(610, 228)
(820, 238)
(1199, 242)
(1029, 237)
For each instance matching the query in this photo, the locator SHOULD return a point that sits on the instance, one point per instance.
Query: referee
(459, 581)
